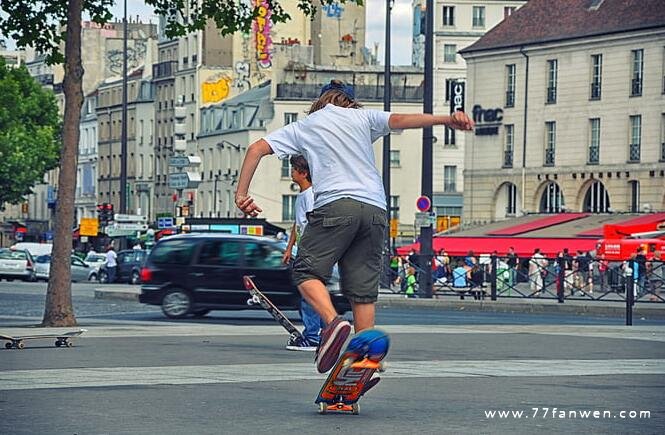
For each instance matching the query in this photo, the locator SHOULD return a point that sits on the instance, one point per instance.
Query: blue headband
(345, 89)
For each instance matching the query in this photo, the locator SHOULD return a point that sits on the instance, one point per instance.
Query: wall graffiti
(135, 57)
(241, 81)
(216, 88)
(262, 27)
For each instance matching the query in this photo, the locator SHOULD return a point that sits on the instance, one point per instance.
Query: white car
(95, 261)
(80, 270)
(16, 264)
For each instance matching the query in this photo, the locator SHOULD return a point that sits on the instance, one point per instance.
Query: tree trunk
(58, 310)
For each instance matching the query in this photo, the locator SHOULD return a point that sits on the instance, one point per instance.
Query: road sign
(165, 222)
(425, 219)
(393, 228)
(111, 231)
(184, 180)
(130, 218)
(130, 226)
(89, 226)
(423, 203)
(184, 161)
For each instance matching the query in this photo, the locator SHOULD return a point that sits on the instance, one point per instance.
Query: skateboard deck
(63, 339)
(258, 298)
(351, 377)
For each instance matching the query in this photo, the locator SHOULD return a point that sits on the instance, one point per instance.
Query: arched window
(596, 199)
(551, 200)
(507, 201)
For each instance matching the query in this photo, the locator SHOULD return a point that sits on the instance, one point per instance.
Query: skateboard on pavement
(258, 298)
(351, 377)
(63, 339)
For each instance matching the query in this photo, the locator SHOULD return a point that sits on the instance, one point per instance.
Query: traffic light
(105, 211)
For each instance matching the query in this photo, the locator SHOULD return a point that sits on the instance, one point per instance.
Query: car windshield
(13, 255)
(43, 259)
(95, 258)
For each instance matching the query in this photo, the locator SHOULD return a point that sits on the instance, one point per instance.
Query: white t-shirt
(304, 204)
(337, 144)
(110, 259)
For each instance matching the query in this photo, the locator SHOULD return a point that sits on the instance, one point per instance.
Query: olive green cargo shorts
(347, 232)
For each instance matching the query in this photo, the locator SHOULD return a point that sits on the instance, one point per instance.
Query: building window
(511, 208)
(449, 178)
(662, 137)
(286, 168)
(394, 159)
(550, 142)
(510, 85)
(508, 11)
(448, 137)
(634, 196)
(288, 207)
(594, 141)
(663, 70)
(449, 84)
(596, 75)
(635, 138)
(479, 16)
(449, 15)
(552, 73)
(450, 53)
(394, 206)
(596, 199)
(290, 117)
(509, 145)
(637, 72)
(552, 199)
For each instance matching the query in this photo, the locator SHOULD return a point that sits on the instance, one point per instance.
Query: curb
(124, 295)
(599, 308)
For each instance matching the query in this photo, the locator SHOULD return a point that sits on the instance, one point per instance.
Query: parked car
(196, 273)
(129, 262)
(95, 261)
(80, 270)
(35, 249)
(16, 264)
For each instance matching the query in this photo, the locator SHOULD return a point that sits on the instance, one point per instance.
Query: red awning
(538, 224)
(641, 220)
(524, 247)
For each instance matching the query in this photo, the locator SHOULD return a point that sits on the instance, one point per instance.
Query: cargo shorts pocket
(336, 221)
(379, 219)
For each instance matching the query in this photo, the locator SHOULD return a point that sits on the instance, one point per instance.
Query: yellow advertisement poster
(89, 227)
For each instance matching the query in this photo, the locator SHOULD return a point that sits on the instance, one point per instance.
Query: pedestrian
(568, 279)
(349, 219)
(410, 291)
(640, 270)
(512, 261)
(460, 275)
(111, 264)
(536, 266)
(304, 204)
(477, 281)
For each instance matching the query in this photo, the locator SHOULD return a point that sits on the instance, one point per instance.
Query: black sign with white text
(487, 120)
(456, 96)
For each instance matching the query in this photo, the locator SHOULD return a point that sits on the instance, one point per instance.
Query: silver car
(80, 270)
(95, 261)
(16, 264)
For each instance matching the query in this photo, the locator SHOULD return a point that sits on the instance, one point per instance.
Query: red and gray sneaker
(333, 337)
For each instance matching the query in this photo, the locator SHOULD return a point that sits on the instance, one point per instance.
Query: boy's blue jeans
(312, 323)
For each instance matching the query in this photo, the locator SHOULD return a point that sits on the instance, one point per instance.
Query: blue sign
(48, 235)
(423, 203)
(165, 222)
(333, 10)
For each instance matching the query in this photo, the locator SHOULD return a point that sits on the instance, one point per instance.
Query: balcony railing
(594, 155)
(549, 156)
(508, 158)
(409, 94)
(551, 95)
(595, 91)
(510, 98)
(636, 87)
(634, 153)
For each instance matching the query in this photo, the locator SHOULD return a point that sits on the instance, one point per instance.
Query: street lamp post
(387, 93)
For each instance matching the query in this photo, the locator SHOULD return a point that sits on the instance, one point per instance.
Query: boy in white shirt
(304, 204)
(349, 218)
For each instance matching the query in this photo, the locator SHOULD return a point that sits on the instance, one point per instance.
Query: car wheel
(136, 278)
(176, 303)
(200, 313)
(103, 277)
(92, 277)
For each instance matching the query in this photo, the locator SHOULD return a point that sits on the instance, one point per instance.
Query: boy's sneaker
(333, 337)
(300, 346)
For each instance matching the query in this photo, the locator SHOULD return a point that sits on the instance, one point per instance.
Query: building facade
(570, 111)
(85, 200)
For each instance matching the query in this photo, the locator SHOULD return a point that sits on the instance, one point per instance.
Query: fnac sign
(456, 97)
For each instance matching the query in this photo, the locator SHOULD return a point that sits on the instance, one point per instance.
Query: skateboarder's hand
(287, 256)
(461, 121)
(247, 205)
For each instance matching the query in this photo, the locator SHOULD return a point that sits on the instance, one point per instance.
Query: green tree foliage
(29, 133)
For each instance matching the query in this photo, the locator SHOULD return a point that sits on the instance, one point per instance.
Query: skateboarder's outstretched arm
(255, 152)
(458, 120)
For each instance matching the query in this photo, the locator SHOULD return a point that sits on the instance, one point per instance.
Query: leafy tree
(40, 24)
(29, 133)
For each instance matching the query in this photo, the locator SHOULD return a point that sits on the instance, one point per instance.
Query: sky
(400, 27)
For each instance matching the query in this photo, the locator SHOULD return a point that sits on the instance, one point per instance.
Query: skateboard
(63, 339)
(258, 298)
(351, 377)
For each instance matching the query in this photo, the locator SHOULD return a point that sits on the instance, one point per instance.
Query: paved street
(136, 372)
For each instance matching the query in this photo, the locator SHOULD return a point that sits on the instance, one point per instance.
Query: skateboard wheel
(323, 407)
(8, 346)
(20, 345)
(355, 408)
(58, 343)
(69, 343)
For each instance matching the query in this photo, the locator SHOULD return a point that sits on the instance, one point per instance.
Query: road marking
(240, 373)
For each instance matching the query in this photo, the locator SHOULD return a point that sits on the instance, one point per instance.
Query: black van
(196, 273)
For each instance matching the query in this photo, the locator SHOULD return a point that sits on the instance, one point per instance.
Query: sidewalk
(451, 303)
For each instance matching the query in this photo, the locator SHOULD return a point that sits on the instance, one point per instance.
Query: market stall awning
(544, 222)
(635, 222)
